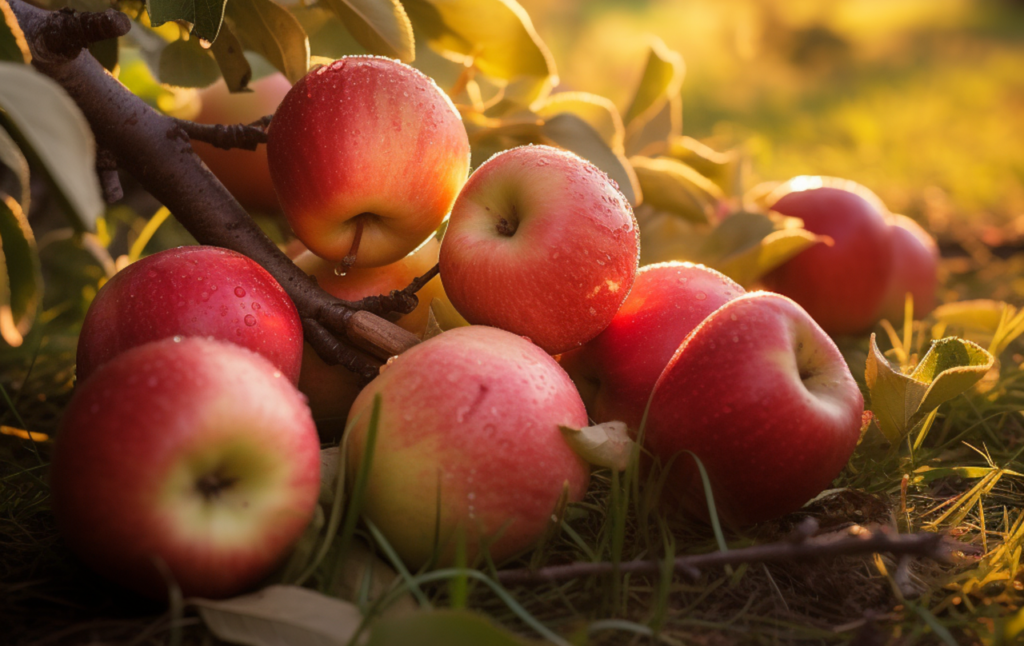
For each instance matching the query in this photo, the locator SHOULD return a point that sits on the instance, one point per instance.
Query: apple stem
(350, 257)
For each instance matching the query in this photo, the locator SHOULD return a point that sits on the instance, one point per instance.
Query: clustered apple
(205, 454)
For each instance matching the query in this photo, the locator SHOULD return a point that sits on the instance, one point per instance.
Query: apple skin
(192, 291)
(569, 261)
(763, 397)
(332, 389)
(841, 286)
(915, 267)
(371, 137)
(476, 411)
(138, 438)
(244, 173)
(616, 371)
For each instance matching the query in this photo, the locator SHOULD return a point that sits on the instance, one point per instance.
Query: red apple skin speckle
(474, 411)
(155, 410)
(733, 395)
(366, 135)
(192, 291)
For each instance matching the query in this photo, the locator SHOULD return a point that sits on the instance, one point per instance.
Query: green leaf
(662, 79)
(327, 34)
(13, 47)
(900, 401)
(280, 614)
(497, 36)
(50, 127)
(442, 628)
(572, 133)
(185, 63)
(928, 474)
(980, 315)
(670, 185)
(746, 267)
(597, 111)
(273, 32)
(21, 281)
(381, 26)
(11, 157)
(230, 56)
(205, 15)
(719, 167)
(137, 76)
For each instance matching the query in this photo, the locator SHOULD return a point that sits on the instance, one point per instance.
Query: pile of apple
(188, 454)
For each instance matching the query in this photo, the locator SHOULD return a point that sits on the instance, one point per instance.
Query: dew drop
(256, 306)
(250, 320)
(701, 296)
(239, 292)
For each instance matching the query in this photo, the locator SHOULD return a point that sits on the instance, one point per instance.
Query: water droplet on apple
(177, 339)
(733, 317)
(256, 306)
(239, 292)
(213, 288)
(205, 296)
(701, 296)
(250, 320)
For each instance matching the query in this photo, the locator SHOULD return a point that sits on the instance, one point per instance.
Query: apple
(244, 173)
(840, 285)
(332, 389)
(915, 266)
(763, 397)
(191, 452)
(468, 441)
(540, 243)
(367, 155)
(192, 291)
(616, 371)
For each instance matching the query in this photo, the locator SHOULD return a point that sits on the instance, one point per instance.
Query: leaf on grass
(230, 56)
(51, 126)
(442, 628)
(381, 26)
(497, 36)
(597, 111)
(662, 79)
(205, 15)
(17, 183)
(928, 474)
(748, 265)
(670, 185)
(900, 402)
(270, 30)
(13, 47)
(21, 279)
(280, 614)
(573, 133)
(363, 573)
(603, 445)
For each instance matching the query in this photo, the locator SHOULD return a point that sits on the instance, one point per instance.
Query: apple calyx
(507, 228)
(212, 484)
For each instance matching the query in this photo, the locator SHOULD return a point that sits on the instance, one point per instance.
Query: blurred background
(920, 100)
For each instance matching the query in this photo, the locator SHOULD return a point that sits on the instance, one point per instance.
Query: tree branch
(64, 34)
(155, 150)
(399, 301)
(106, 168)
(933, 546)
(225, 137)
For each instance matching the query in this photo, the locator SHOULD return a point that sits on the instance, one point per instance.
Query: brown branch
(225, 137)
(399, 301)
(336, 353)
(110, 182)
(926, 545)
(167, 167)
(64, 34)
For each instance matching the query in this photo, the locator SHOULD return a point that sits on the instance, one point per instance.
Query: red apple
(763, 397)
(841, 285)
(192, 291)
(468, 436)
(616, 371)
(244, 172)
(540, 243)
(193, 452)
(915, 266)
(332, 389)
(366, 149)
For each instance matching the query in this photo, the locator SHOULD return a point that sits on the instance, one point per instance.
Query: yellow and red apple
(915, 266)
(366, 155)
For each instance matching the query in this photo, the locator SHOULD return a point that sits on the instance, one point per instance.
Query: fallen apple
(192, 291)
(185, 461)
(367, 155)
(763, 397)
(616, 371)
(915, 266)
(468, 441)
(540, 243)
